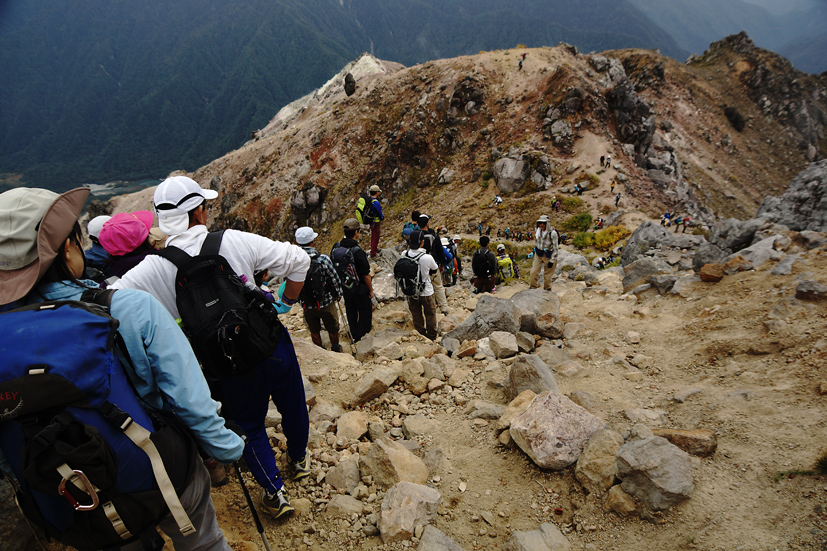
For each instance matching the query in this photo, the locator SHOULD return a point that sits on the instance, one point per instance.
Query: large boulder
(732, 234)
(804, 205)
(707, 253)
(651, 234)
(758, 253)
(491, 314)
(533, 303)
(656, 472)
(529, 372)
(545, 538)
(597, 466)
(406, 507)
(639, 271)
(434, 539)
(390, 462)
(553, 430)
(511, 174)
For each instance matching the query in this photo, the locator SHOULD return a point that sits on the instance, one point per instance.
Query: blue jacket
(166, 370)
(377, 209)
(96, 256)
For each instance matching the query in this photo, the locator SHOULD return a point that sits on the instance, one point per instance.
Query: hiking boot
(301, 468)
(277, 506)
(218, 473)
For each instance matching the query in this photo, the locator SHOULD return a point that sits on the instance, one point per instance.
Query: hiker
(410, 226)
(612, 187)
(321, 292)
(685, 223)
(520, 64)
(455, 241)
(602, 158)
(96, 256)
(505, 266)
(182, 214)
(484, 264)
(608, 162)
(678, 222)
(42, 260)
(449, 270)
(350, 261)
(497, 200)
(423, 307)
(617, 198)
(479, 227)
(545, 254)
(434, 247)
(375, 224)
(126, 238)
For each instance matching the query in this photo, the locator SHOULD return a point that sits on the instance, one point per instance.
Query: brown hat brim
(54, 228)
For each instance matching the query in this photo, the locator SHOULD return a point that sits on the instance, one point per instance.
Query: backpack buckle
(90, 489)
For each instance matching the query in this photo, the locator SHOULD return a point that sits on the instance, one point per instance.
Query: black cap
(423, 220)
(414, 239)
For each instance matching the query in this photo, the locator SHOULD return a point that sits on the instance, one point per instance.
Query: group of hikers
(667, 219)
(164, 345)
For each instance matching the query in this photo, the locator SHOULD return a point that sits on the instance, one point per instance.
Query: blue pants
(246, 399)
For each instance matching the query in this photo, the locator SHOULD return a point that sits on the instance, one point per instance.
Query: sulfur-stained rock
(700, 442)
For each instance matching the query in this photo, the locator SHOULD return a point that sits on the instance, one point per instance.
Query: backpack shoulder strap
(175, 255)
(101, 297)
(212, 243)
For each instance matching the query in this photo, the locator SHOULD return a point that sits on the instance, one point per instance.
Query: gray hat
(93, 228)
(34, 224)
(352, 224)
(543, 219)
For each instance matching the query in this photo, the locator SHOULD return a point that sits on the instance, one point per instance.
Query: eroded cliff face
(698, 138)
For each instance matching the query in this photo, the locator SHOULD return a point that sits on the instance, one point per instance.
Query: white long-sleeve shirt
(247, 253)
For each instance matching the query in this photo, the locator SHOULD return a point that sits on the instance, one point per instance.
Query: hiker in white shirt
(423, 308)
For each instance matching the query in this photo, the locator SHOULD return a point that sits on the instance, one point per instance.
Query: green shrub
(571, 204)
(486, 175)
(578, 223)
(583, 239)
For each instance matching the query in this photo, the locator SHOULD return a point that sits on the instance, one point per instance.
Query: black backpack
(345, 265)
(231, 326)
(408, 275)
(315, 284)
(483, 263)
(94, 468)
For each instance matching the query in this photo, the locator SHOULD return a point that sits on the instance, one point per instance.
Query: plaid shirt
(546, 242)
(333, 287)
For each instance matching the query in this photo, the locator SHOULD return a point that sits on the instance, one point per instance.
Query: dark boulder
(350, 84)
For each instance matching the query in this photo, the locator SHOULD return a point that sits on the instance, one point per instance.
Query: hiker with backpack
(96, 256)
(484, 265)
(433, 246)
(369, 211)
(320, 293)
(505, 266)
(411, 225)
(126, 238)
(352, 265)
(413, 275)
(545, 254)
(242, 345)
(126, 370)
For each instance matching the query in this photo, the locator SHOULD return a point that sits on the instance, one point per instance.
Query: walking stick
(347, 326)
(257, 520)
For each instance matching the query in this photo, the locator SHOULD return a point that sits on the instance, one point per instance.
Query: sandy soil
(759, 394)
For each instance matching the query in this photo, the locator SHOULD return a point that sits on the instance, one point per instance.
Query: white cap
(305, 235)
(95, 224)
(174, 198)
(456, 238)
(500, 247)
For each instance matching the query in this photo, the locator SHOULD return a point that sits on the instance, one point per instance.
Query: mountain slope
(98, 90)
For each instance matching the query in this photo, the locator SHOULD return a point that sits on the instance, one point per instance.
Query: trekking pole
(257, 520)
(347, 326)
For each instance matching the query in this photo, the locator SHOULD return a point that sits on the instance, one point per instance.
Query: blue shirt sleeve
(167, 372)
(378, 208)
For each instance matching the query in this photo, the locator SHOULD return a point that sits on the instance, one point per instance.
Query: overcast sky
(784, 6)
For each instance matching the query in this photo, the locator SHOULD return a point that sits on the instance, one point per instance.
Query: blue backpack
(94, 469)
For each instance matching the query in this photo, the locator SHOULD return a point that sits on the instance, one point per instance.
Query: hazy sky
(784, 6)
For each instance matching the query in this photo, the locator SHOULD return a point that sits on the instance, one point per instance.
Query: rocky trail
(736, 363)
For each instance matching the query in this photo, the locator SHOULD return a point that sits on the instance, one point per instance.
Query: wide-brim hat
(34, 224)
(543, 219)
(125, 232)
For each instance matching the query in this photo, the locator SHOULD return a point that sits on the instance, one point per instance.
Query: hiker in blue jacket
(42, 259)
